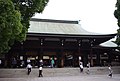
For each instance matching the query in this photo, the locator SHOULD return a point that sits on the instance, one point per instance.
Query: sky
(94, 15)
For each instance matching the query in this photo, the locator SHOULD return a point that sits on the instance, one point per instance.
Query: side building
(65, 42)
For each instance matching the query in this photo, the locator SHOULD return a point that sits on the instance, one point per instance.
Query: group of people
(81, 67)
(40, 65)
(29, 67)
(88, 68)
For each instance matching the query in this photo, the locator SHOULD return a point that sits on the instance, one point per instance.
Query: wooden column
(40, 55)
(109, 57)
(98, 59)
(85, 59)
(60, 56)
(79, 45)
(91, 53)
(23, 53)
(91, 57)
(79, 51)
(60, 60)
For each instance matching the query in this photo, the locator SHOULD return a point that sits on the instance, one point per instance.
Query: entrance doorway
(49, 57)
(68, 60)
(33, 60)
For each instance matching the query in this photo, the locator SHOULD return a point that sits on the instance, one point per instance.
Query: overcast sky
(95, 15)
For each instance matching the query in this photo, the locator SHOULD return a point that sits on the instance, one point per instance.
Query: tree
(117, 15)
(14, 20)
(10, 24)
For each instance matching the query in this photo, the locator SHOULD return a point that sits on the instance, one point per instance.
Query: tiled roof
(57, 27)
(108, 44)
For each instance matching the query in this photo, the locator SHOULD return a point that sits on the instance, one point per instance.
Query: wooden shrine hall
(66, 42)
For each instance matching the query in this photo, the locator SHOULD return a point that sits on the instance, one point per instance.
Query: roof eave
(70, 35)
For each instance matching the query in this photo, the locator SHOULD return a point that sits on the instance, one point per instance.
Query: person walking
(110, 71)
(52, 62)
(88, 68)
(81, 66)
(40, 71)
(29, 67)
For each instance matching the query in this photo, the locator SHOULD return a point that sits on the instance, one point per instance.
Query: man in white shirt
(81, 66)
(29, 67)
(40, 71)
(110, 71)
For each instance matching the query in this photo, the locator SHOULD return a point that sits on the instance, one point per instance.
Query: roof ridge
(55, 21)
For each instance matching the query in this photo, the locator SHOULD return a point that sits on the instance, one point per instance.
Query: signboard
(46, 57)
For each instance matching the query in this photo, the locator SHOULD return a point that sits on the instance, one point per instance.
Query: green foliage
(117, 15)
(14, 20)
(10, 24)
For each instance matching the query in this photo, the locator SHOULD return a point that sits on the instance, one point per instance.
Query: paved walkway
(52, 72)
(60, 74)
(67, 78)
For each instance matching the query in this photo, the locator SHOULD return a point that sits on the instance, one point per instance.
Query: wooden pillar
(91, 57)
(85, 59)
(60, 56)
(23, 54)
(74, 60)
(109, 57)
(79, 51)
(98, 59)
(79, 45)
(60, 60)
(40, 55)
(91, 51)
